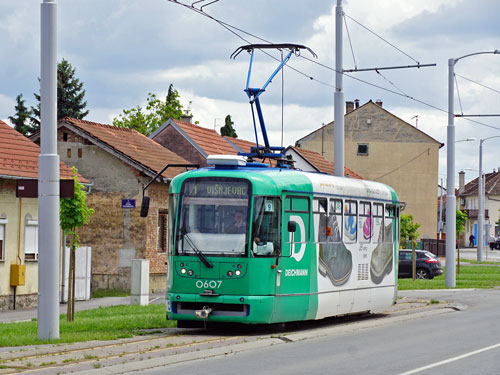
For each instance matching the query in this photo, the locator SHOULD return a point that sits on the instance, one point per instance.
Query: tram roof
(275, 181)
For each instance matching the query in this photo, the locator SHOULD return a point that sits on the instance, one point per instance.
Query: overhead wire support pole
(338, 104)
(388, 68)
(451, 206)
(48, 179)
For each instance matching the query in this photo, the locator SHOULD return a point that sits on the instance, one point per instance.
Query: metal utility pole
(451, 215)
(48, 181)
(338, 128)
(451, 205)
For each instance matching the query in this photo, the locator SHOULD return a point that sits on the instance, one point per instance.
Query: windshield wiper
(198, 253)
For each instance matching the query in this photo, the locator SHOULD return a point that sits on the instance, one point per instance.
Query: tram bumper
(221, 308)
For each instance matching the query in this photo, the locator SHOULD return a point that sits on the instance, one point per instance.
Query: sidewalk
(28, 314)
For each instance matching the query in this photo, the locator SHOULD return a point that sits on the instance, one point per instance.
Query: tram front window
(213, 217)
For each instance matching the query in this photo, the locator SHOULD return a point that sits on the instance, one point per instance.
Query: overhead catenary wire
(378, 36)
(402, 165)
(350, 43)
(478, 83)
(458, 94)
(231, 29)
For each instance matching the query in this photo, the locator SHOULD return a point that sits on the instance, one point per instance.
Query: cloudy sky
(123, 49)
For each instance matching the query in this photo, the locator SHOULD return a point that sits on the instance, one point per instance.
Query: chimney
(356, 103)
(187, 118)
(349, 107)
(379, 102)
(461, 182)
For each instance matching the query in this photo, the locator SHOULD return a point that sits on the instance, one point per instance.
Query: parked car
(495, 244)
(427, 264)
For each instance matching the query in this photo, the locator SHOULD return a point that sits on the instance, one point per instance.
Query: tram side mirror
(292, 226)
(145, 206)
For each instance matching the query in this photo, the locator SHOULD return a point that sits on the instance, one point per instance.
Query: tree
(74, 213)
(22, 117)
(461, 219)
(70, 95)
(147, 120)
(408, 228)
(228, 130)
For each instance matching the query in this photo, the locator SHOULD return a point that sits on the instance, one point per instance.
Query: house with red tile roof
(192, 142)
(468, 201)
(119, 163)
(19, 216)
(312, 161)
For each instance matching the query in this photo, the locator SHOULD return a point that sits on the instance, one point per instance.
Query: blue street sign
(128, 203)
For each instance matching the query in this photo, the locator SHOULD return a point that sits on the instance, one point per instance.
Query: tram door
(294, 265)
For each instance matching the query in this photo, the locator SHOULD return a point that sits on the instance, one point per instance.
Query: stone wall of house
(23, 301)
(176, 142)
(117, 235)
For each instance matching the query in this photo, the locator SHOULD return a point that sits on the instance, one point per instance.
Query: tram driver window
(266, 226)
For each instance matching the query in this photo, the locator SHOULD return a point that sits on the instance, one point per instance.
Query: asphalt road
(455, 342)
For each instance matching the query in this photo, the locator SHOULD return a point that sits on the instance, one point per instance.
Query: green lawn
(101, 293)
(469, 277)
(106, 323)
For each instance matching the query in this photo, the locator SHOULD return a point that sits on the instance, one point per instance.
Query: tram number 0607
(208, 284)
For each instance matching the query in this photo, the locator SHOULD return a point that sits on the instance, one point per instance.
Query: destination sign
(219, 189)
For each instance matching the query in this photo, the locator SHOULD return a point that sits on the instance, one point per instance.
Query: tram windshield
(213, 217)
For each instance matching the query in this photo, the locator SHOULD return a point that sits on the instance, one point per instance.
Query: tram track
(51, 359)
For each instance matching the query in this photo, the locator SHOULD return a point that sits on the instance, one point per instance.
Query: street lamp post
(451, 205)
(480, 193)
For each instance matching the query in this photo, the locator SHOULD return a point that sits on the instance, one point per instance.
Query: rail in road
(169, 346)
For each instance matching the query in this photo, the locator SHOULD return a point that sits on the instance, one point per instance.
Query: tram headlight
(190, 272)
(237, 272)
(183, 271)
(230, 273)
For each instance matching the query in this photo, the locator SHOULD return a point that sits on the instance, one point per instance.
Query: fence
(435, 246)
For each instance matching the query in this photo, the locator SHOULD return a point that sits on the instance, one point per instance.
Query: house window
(65, 137)
(80, 152)
(31, 240)
(2, 238)
(68, 153)
(161, 244)
(362, 149)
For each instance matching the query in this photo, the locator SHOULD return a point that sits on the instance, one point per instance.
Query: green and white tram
(254, 244)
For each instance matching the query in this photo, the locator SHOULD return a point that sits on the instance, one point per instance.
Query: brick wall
(176, 142)
(116, 235)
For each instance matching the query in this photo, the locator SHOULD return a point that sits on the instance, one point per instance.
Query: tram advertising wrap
(252, 244)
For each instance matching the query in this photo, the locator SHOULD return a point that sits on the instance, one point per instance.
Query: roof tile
(19, 156)
(322, 164)
(132, 144)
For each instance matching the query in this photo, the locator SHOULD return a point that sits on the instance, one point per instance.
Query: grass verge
(469, 277)
(101, 293)
(104, 323)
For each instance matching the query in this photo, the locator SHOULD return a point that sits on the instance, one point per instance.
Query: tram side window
(350, 221)
(266, 226)
(378, 222)
(320, 220)
(390, 223)
(299, 206)
(335, 220)
(365, 222)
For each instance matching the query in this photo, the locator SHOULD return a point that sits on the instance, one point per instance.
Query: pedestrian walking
(471, 240)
